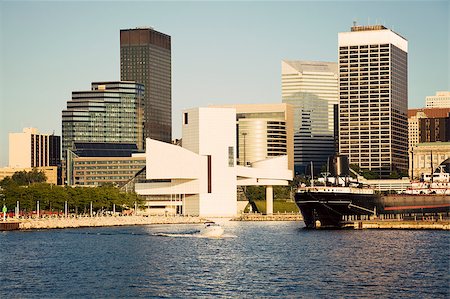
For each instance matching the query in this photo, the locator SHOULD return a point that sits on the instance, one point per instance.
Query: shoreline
(271, 217)
(104, 221)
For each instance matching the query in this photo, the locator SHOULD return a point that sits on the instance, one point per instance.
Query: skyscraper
(311, 88)
(373, 98)
(145, 57)
(111, 112)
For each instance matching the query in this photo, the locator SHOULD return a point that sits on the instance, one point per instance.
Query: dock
(400, 224)
(9, 226)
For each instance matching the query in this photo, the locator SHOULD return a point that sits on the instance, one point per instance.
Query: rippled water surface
(253, 260)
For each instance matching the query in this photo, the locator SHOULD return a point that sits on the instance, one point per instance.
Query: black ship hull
(327, 209)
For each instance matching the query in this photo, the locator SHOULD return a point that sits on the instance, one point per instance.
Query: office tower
(263, 131)
(440, 100)
(31, 149)
(373, 99)
(110, 112)
(145, 57)
(311, 88)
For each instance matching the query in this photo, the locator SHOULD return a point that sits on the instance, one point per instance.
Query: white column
(269, 200)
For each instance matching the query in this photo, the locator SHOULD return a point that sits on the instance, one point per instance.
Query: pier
(399, 224)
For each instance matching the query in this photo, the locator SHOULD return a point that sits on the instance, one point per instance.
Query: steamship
(329, 206)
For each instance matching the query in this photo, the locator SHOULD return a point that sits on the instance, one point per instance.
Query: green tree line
(28, 188)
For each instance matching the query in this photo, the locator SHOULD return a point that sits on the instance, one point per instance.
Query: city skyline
(222, 53)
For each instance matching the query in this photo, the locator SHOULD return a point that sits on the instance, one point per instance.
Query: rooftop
(368, 27)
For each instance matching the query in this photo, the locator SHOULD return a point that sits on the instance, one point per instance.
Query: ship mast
(432, 171)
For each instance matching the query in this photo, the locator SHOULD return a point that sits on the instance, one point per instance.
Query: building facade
(52, 173)
(263, 131)
(145, 57)
(110, 112)
(426, 157)
(201, 178)
(428, 125)
(440, 100)
(96, 164)
(311, 88)
(373, 98)
(31, 149)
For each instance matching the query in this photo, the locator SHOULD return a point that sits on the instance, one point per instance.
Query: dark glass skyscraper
(145, 57)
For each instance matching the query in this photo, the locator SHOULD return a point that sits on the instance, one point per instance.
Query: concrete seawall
(74, 222)
(273, 217)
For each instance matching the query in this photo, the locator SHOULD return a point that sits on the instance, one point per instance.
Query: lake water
(253, 260)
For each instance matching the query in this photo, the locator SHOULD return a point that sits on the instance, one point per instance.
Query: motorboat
(211, 229)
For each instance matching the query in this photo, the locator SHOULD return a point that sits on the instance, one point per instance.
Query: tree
(23, 178)
(255, 193)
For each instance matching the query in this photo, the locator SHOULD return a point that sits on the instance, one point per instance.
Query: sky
(222, 52)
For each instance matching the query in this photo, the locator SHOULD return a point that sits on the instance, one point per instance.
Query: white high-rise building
(311, 87)
(31, 149)
(373, 98)
(440, 100)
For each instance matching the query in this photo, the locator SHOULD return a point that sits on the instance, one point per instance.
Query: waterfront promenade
(80, 221)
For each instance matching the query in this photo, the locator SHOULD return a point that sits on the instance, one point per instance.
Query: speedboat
(211, 229)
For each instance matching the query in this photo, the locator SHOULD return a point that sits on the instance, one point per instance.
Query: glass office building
(111, 112)
(96, 164)
(311, 87)
(145, 57)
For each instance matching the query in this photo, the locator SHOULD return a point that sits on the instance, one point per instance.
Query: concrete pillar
(269, 200)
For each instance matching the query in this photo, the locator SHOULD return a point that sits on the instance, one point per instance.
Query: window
(230, 156)
(209, 174)
(186, 118)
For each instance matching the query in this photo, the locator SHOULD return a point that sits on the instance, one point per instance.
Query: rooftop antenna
(354, 23)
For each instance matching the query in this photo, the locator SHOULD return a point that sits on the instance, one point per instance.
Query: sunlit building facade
(96, 164)
(440, 100)
(110, 112)
(263, 131)
(373, 98)
(30, 149)
(428, 125)
(311, 87)
(145, 57)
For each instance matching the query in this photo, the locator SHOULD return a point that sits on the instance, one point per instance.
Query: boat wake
(197, 234)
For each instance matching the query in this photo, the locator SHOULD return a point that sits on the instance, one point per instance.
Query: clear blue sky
(222, 52)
